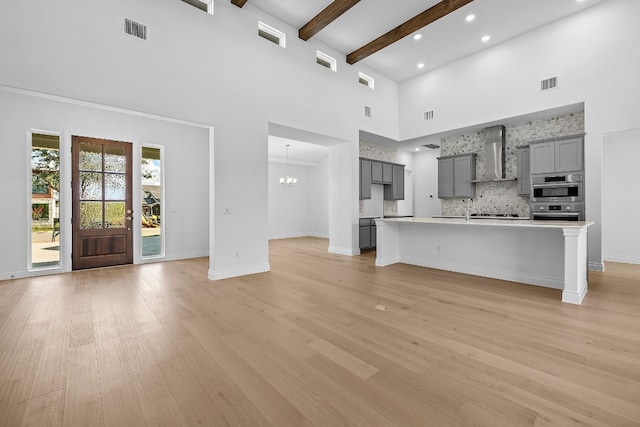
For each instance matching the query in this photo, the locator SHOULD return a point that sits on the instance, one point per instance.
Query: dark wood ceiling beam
(326, 17)
(238, 3)
(430, 15)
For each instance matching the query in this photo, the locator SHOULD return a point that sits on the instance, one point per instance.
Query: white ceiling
(443, 41)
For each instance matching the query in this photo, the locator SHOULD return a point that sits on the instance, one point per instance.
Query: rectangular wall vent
(549, 83)
(428, 115)
(367, 111)
(135, 29)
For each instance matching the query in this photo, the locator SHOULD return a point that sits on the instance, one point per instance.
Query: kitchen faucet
(467, 202)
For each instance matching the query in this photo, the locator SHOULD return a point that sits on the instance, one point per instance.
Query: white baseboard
(625, 259)
(575, 297)
(596, 266)
(297, 235)
(343, 251)
(241, 271)
(547, 282)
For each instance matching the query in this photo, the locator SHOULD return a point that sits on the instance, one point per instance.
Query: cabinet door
(395, 191)
(387, 173)
(568, 155)
(445, 178)
(365, 237)
(524, 174)
(376, 172)
(374, 234)
(542, 157)
(463, 172)
(365, 179)
(398, 182)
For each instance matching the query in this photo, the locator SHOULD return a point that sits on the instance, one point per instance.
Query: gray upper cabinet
(542, 156)
(391, 175)
(387, 173)
(365, 179)
(455, 174)
(395, 191)
(562, 155)
(445, 178)
(524, 177)
(381, 173)
(376, 172)
(569, 155)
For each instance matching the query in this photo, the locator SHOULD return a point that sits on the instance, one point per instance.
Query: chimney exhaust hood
(494, 142)
(494, 155)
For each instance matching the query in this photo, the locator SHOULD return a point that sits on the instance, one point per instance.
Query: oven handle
(556, 184)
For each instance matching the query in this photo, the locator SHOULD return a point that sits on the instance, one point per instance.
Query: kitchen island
(543, 253)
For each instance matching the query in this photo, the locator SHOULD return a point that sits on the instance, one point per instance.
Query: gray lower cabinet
(455, 174)
(365, 179)
(368, 233)
(395, 191)
(524, 171)
(560, 155)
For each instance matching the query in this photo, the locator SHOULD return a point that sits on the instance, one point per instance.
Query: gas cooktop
(496, 215)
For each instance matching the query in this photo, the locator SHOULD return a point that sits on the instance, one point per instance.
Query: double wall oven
(557, 197)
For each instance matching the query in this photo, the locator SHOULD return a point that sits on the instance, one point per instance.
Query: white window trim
(62, 250)
(163, 217)
(332, 61)
(282, 37)
(370, 80)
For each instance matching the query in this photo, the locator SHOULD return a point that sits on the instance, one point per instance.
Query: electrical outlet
(438, 248)
(237, 254)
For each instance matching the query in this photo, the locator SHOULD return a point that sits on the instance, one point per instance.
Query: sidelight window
(45, 200)
(152, 202)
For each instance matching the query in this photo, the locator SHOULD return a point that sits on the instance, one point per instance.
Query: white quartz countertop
(519, 223)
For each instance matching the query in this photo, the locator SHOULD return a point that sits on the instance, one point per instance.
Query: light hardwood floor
(321, 340)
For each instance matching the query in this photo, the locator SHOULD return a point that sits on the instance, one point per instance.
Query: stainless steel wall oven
(557, 188)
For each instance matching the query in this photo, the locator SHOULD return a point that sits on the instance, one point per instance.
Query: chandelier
(287, 180)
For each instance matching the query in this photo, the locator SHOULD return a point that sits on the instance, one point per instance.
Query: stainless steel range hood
(494, 153)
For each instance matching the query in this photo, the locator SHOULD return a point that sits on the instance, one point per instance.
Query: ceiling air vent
(367, 111)
(431, 146)
(428, 115)
(549, 83)
(135, 29)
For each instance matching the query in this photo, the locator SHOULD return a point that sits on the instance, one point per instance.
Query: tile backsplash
(502, 197)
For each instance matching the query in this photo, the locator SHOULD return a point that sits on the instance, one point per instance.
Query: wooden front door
(102, 205)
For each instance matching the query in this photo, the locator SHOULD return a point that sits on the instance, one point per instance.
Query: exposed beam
(326, 17)
(430, 15)
(238, 3)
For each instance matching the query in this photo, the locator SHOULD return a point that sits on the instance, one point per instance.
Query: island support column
(388, 243)
(575, 265)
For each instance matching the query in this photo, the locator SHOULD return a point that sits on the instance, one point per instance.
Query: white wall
(425, 181)
(621, 197)
(186, 200)
(405, 207)
(303, 209)
(207, 69)
(318, 199)
(594, 55)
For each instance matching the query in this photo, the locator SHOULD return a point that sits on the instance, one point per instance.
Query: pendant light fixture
(287, 180)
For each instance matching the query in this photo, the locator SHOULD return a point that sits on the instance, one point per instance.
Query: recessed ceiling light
(421, 65)
(485, 38)
(470, 18)
(417, 148)
(417, 36)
